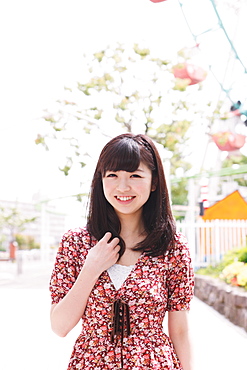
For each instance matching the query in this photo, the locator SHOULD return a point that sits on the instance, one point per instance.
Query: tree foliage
(236, 160)
(26, 242)
(13, 220)
(125, 89)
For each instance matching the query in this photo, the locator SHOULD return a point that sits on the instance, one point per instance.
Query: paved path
(27, 342)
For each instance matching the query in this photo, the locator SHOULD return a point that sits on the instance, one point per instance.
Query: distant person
(126, 269)
(12, 250)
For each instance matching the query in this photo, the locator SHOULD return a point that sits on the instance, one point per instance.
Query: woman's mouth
(124, 198)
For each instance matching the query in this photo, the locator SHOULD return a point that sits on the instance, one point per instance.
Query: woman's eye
(111, 175)
(136, 176)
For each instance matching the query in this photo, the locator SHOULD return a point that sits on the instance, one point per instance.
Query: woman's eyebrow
(138, 170)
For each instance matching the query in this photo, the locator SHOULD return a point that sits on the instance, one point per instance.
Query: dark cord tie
(120, 323)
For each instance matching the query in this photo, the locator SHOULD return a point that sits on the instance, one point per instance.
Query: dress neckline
(131, 272)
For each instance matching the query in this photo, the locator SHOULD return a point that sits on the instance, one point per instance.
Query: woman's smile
(124, 199)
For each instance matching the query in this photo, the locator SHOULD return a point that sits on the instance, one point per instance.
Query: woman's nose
(123, 185)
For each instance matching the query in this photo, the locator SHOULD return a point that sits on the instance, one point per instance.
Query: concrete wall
(227, 300)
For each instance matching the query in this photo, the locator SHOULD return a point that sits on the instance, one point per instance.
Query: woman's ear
(154, 184)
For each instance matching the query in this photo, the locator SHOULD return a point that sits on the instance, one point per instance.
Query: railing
(210, 240)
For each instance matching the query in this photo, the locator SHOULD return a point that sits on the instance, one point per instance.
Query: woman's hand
(104, 254)
(66, 314)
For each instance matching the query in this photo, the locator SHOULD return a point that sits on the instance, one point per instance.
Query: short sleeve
(180, 279)
(69, 260)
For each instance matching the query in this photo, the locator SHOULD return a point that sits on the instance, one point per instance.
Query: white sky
(42, 44)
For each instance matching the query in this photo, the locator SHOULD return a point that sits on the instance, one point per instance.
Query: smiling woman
(126, 269)
(136, 159)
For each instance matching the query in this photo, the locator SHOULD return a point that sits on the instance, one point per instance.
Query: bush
(235, 274)
(232, 269)
(243, 255)
(242, 277)
(229, 257)
(210, 270)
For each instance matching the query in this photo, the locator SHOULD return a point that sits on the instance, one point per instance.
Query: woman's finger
(114, 242)
(107, 236)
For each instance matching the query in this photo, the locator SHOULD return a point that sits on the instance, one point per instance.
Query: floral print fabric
(155, 285)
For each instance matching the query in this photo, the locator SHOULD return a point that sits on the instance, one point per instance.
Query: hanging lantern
(193, 73)
(231, 114)
(157, 1)
(229, 141)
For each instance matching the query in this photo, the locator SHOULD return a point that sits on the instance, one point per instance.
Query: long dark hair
(125, 152)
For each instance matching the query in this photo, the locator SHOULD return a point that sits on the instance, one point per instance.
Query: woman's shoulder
(181, 240)
(180, 245)
(76, 238)
(75, 233)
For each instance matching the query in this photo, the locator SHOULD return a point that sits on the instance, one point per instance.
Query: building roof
(232, 207)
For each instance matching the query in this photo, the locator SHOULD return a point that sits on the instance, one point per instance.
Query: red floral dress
(155, 285)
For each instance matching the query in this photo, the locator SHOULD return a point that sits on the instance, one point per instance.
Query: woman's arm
(178, 327)
(66, 314)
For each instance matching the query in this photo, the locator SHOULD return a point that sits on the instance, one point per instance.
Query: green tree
(26, 242)
(12, 220)
(126, 89)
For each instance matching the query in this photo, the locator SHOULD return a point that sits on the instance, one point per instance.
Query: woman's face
(127, 192)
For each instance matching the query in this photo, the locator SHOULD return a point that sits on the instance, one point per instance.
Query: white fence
(210, 240)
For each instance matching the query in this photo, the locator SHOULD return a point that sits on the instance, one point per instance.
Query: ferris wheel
(215, 28)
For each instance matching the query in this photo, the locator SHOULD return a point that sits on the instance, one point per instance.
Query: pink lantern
(231, 114)
(157, 1)
(228, 141)
(189, 71)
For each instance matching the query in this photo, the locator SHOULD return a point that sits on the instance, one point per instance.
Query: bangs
(125, 156)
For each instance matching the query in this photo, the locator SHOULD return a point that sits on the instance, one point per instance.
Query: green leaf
(142, 52)
(82, 164)
(65, 170)
(99, 56)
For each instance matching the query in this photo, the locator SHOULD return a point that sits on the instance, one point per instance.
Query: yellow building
(232, 207)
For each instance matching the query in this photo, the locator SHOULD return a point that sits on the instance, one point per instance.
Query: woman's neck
(132, 231)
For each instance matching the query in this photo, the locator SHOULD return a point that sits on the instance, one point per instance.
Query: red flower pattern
(154, 286)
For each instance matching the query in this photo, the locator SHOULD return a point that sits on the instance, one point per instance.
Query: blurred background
(75, 74)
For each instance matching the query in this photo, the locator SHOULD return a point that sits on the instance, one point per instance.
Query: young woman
(126, 269)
